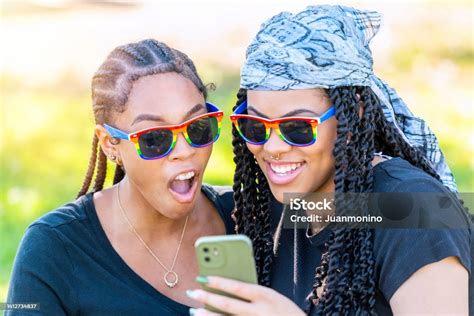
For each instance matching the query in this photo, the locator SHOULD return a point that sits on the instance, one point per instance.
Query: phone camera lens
(207, 259)
(205, 249)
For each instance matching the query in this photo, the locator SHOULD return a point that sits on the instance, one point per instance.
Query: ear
(107, 143)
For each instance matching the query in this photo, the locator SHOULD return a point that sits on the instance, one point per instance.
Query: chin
(279, 193)
(167, 206)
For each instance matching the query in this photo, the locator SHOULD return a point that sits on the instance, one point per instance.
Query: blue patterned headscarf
(327, 46)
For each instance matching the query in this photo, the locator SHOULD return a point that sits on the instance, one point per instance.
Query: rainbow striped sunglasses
(157, 142)
(295, 131)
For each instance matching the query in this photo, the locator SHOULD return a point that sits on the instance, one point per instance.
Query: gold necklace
(169, 272)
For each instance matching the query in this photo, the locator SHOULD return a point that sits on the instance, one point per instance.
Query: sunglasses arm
(116, 133)
(212, 108)
(241, 108)
(328, 114)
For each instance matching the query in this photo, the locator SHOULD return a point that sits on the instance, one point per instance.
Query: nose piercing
(276, 158)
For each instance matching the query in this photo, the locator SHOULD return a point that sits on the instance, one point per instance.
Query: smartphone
(229, 256)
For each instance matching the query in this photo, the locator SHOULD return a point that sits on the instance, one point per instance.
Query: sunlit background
(50, 50)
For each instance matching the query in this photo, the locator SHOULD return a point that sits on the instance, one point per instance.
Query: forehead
(168, 95)
(278, 103)
(155, 92)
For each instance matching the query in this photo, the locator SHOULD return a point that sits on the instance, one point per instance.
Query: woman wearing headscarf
(312, 117)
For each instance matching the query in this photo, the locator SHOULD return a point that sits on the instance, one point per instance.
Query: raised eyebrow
(289, 114)
(147, 117)
(157, 118)
(251, 108)
(299, 111)
(198, 107)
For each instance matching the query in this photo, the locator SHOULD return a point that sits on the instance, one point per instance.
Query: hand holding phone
(229, 256)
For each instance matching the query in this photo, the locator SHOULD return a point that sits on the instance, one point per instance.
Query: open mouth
(183, 186)
(283, 172)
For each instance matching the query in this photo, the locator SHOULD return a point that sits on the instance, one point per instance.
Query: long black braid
(347, 266)
(252, 196)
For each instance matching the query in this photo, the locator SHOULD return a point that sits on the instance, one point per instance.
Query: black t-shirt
(398, 252)
(66, 263)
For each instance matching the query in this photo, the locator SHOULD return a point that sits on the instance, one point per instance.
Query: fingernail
(190, 293)
(202, 279)
(192, 311)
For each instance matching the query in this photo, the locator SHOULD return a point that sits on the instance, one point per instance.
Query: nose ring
(276, 158)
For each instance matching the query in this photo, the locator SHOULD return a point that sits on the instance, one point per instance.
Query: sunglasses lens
(155, 143)
(297, 131)
(252, 130)
(203, 131)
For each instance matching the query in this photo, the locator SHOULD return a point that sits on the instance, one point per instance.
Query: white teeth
(283, 169)
(185, 176)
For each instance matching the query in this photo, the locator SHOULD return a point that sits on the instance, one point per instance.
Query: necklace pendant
(174, 279)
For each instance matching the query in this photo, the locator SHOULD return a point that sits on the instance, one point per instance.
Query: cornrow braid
(347, 266)
(90, 168)
(101, 171)
(111, 86)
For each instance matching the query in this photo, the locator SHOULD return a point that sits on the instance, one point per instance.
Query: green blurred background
(50, 50)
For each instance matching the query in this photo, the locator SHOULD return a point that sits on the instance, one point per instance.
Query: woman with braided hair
(129, 249)
(312, 117)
